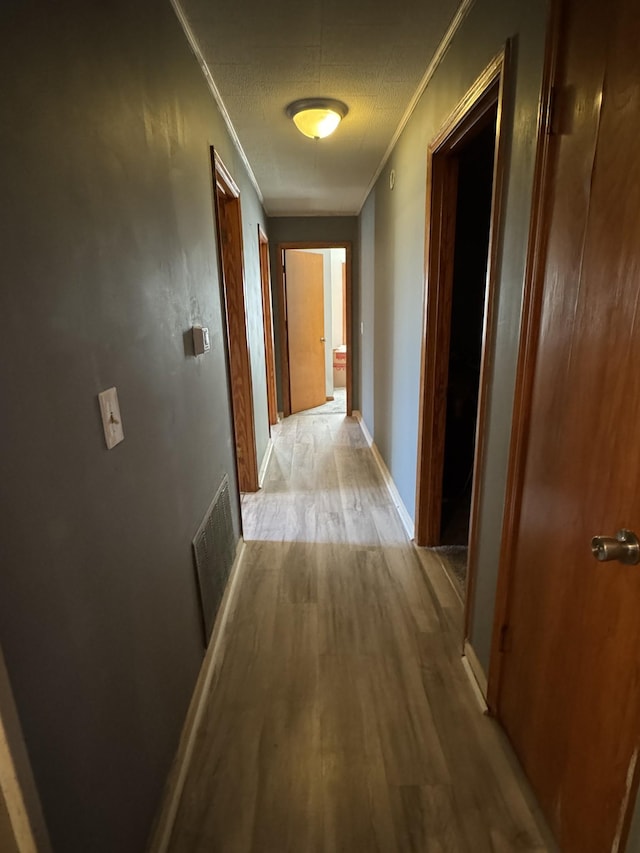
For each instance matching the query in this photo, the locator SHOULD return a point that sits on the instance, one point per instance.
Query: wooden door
(344, 304)
(569, 694)
(304, 278)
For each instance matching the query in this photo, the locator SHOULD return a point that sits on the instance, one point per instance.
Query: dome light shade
(317, 117)
(316, 124)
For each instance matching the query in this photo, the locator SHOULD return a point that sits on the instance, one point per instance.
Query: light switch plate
(111, 420)
(201, 341)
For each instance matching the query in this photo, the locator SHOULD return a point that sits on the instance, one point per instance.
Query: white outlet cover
(111, 420)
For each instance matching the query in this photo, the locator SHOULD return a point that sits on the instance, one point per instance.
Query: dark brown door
(570, 690)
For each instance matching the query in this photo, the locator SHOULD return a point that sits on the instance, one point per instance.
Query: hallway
(340, 716)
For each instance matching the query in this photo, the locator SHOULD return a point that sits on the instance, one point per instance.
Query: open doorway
(315, 287)
(471, 249)
(463, 204)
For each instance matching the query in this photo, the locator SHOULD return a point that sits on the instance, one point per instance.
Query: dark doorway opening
(473, 223)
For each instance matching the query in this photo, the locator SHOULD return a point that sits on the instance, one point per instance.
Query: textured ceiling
(371, 54)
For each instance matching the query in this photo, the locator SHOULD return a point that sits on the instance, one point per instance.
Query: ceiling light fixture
(317, 117)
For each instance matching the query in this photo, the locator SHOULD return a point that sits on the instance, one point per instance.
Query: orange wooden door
(570, 689)
(304, 277)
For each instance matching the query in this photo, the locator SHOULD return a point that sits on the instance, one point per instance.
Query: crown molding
(454, 26)
(195, 47)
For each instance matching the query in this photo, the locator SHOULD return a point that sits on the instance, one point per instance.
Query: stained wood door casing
(282, 313)
(482, 104)
(344, 303)
(569, 694)
(230, 245)
(304, 284)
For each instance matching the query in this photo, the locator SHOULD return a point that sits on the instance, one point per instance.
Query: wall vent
(214, 548)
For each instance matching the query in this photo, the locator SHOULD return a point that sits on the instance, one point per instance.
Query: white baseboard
(476, 675)
(161, 834)
(365, 430)
(265, 463)
(403, 513)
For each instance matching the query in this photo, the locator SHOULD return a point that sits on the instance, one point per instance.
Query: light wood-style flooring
(340, 717)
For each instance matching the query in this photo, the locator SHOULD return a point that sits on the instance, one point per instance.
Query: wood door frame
(282, 312)
(527, 353)
(267, 322)
(231, 268)
(487, 94)
(18, 790)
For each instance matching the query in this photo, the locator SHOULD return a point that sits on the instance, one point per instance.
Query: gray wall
(318, 229)
(392, 226)
(252, 216)
(108, 259)
(367, 310)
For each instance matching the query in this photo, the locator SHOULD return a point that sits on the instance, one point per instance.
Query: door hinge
(505, 639)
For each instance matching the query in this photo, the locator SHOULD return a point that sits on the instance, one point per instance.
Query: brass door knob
(625, 548)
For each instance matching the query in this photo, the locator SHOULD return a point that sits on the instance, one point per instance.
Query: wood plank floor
(340, 717)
